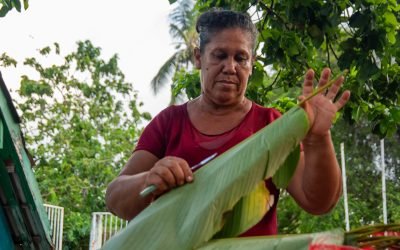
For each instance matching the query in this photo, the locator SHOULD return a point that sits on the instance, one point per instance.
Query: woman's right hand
(167, 173)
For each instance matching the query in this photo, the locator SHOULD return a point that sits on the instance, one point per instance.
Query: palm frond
(183, 15)
(175, 99)
(185, 58)
(163, 74)
(177, 33)
(182, 30)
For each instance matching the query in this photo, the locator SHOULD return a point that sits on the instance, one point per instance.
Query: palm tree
(183, 32)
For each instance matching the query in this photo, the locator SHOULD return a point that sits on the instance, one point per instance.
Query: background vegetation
(7, 5)
(80, 122)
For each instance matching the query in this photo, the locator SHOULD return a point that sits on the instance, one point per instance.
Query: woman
(181, 136)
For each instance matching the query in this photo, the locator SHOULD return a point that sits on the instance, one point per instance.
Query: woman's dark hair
(216, 20)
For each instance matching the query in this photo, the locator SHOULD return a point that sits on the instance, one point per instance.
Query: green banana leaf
(250, 208)
(285, 172)
(189, 216)
(278, 242)
(246, 212)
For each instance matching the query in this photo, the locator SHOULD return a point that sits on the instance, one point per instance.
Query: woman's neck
(203, 105)
(212, 119)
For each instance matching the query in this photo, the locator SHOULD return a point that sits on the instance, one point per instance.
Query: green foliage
(186, 82)
(6, 61)
(293, 220)
(7, 5)
(80, 121)
(361, 36)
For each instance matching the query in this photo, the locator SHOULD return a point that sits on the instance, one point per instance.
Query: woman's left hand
(322, 108)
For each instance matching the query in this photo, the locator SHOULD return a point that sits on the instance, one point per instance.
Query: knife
(152, 187)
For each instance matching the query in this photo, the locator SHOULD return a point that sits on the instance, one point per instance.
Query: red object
(382, 234)
(171, 133)
(331, 247)
(387, 233)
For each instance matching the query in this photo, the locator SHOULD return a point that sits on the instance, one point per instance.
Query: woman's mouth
(227, 85)
(227, 82)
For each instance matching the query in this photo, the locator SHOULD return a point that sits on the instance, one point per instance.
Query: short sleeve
(273, 115)
(153, 138)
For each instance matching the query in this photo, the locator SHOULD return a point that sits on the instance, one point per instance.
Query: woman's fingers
(321, 108)
(187, 171)
(325, 75)
(168, 173)
(308, 83)
(181, 171)
(342, 100)
(334, 89)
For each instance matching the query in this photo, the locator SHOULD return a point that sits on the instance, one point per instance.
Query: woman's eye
(241, 59)
(220, 56)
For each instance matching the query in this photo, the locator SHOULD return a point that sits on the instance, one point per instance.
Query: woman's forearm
(322, 176)
(122, 196)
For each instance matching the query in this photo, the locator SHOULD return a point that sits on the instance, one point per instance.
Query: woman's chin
(226, 86)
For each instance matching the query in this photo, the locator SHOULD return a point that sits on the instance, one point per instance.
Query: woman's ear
(253, 60)
(197, 58)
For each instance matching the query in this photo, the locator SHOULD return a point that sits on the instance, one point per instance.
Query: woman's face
(226, 64)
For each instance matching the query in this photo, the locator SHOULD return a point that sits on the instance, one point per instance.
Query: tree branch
(327, 50)
(251, 5)
(271, 11)
(333, 52)
(271, 86)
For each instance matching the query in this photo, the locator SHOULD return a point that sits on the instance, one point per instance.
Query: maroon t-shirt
(171, 133)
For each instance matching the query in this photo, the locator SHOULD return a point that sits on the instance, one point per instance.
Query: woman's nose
(229, 66)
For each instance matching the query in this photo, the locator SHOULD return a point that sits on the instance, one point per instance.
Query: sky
(138, 31)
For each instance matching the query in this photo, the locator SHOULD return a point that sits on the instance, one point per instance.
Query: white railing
(104, 226)
(56, 218)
